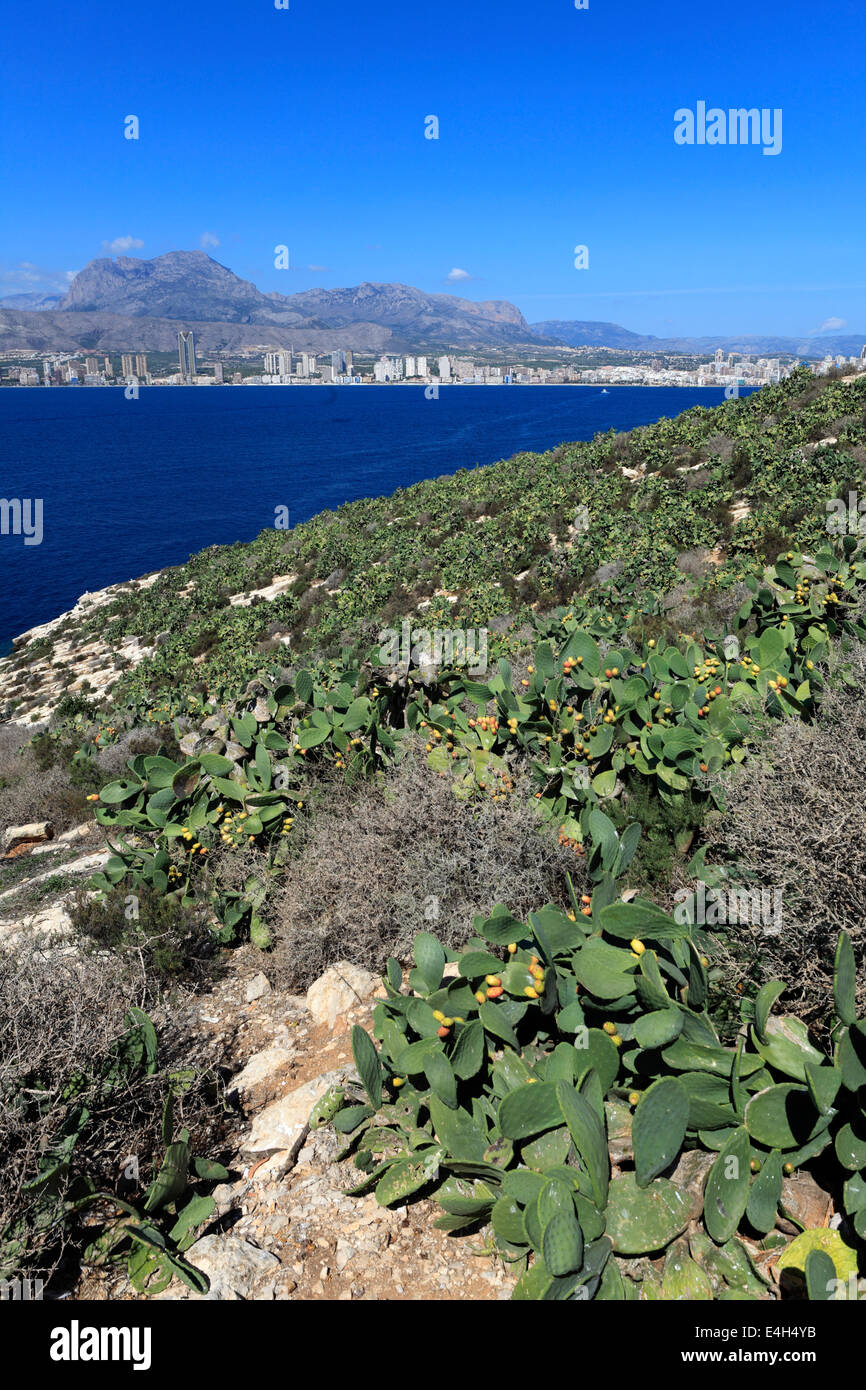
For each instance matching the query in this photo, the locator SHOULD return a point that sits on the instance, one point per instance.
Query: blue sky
(305, 127)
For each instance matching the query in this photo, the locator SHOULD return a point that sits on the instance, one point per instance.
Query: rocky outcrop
(284, 1227)
(340, 989)
(60, 657)
(18, 836)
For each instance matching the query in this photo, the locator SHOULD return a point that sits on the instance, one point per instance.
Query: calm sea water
(131, 486)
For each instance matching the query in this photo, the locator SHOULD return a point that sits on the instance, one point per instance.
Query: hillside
(691, 501)
(50, 331)
(614, 878)
(588, 333)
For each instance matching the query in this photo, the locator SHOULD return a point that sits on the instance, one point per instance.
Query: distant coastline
(422, 386)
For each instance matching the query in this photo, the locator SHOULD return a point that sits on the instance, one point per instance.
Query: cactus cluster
(242, 782)
(559, 1117)
(673, 716)
(153, 1236)
(585, 730)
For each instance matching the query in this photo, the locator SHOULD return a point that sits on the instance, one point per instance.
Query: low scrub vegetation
(90, 1097)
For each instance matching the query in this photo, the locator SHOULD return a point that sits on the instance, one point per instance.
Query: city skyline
(731, 370)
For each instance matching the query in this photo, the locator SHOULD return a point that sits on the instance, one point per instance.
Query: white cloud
(121, 244)
(832, 325)
(209, 239)
(457, 274)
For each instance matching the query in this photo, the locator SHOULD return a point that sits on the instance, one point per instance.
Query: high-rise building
(338, 362)
(126, 367)
(91, 366)
(141, 364)
(186, 356)
(420, 366)
(445, 368)
(410, 366)
(350, 359)
(278, 363)
(109, 369)
(218, 373)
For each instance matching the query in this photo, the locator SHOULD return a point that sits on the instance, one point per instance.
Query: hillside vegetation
(603, 1089)
(502, 539)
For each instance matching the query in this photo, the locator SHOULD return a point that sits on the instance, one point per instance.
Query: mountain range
(127, 304)
(584, 334)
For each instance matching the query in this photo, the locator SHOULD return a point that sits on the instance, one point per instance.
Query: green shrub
(567, 1095)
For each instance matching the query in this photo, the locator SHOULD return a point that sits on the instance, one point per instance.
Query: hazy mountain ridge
(30, 300)
(581, 333)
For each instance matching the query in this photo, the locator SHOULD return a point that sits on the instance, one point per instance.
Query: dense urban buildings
(284, 367)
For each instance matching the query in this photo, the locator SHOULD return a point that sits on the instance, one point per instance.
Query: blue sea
(130, 486)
